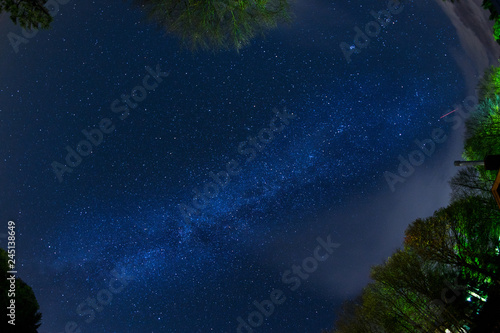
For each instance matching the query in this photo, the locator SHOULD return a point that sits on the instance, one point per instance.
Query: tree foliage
(468, 182)
(28, 318)
(483, 133)
(216, 24)
(489, 85)
(465, 235)
(29, 14)
(494, 16)
(446, 276)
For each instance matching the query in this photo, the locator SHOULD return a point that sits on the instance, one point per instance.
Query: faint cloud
(475, 33)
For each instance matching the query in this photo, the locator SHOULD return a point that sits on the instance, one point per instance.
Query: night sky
(119, 212)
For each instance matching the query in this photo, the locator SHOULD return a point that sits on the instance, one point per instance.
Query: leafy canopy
(29, 14)
(28, 318)
(216, 24)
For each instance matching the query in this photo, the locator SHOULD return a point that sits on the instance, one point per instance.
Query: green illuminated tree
(496, 30)
(405, 297)
(29, 14)
(420, 284)
(464, 235)
(489, 85)
(446, 277)
(216, 24)
(483, 133)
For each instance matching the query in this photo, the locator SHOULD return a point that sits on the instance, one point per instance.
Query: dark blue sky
(321, 176)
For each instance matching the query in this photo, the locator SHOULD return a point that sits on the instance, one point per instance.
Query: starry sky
(117, 213)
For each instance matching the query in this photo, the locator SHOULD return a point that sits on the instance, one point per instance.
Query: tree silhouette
(29, 14)
(216, 24)
(27, 316)
(468, 182)
(355, 317)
